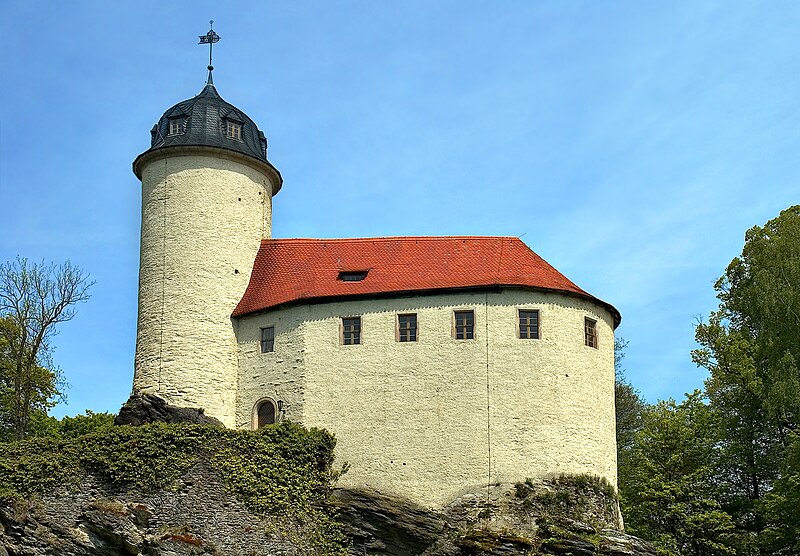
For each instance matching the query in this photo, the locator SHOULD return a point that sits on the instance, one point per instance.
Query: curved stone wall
(203, 218)
(433, 418)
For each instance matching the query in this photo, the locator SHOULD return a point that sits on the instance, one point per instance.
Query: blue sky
(630, 144)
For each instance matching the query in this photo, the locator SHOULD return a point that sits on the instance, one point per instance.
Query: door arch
(265, 412)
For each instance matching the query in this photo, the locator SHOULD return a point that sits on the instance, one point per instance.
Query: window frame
(590, 335)
(455, 326)
(527, 326)
(233, 130)
(343, 331)
(181, 126)
(262, 340)
(398, 330)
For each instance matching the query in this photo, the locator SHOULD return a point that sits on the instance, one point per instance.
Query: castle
(440, 363)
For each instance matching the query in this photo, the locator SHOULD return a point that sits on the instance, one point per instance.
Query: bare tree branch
(34, 299)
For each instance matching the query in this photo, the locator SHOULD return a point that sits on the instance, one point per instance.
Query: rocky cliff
(199, 516)
(170, 490)
(568, 516)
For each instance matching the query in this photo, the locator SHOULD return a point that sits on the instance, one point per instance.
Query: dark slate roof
(205, 117)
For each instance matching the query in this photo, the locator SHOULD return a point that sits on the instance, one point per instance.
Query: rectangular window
(464, 325)
(351, 331)
(528, 324)
(177, 126)
(590, 332)
(407, 328)
(267, 339)
(234, 130)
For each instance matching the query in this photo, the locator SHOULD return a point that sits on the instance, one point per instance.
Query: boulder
(149, 408)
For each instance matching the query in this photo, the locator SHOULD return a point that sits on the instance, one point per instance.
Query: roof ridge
(384, 238)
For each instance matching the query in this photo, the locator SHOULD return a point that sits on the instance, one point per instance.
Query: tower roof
(300, 270)
(207, 120)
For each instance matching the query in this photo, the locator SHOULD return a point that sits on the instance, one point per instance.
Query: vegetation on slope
(283, 471)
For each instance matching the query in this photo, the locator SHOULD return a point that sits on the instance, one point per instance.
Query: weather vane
(210, 38)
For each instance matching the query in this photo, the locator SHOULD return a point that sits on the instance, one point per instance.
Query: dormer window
(352, 276)
(233, 130)
(177, 126)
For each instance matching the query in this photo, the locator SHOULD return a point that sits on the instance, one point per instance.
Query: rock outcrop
(566, 516)
(199, 517)
(147, 408)
(168, 490)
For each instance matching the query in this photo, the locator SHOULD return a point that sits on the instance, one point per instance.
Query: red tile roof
(293, 270)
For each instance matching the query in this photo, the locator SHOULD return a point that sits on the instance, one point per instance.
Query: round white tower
(207, 190)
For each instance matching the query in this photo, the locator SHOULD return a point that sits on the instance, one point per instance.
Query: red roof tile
(291, 270)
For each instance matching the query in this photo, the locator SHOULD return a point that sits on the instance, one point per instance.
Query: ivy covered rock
(170, 489)
(188, 490)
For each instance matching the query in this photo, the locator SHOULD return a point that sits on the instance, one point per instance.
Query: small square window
(351, 331)
(528, 324)
(464, 328)
(177, 126)
(233, 130)
(267, 339)
(590, 332)
(407, 328)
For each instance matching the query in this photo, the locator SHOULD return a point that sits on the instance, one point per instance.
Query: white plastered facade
(426, 420)
(204, 214)
(433, 418)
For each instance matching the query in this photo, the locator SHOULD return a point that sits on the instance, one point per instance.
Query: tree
(79, 425)
(760, 298)
(38, 387)
(34, 299)
(669, 494)
(628, 403)
(748, 448)
(629, 408)
(750, 347)
(781, 534)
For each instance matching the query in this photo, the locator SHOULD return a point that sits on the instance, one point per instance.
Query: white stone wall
(421, 419)
(279, 375)
(203, 218)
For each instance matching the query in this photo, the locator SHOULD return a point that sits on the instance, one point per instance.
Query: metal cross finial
(210, 38)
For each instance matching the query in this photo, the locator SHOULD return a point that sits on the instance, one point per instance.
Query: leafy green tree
(748, 450)
(669, 494)
(628, 403)
(89, 422)
(760, 298)
(5, 383)
(34, 299)
(781, 507)
(750, 347)
(44, 426)
(35, 388)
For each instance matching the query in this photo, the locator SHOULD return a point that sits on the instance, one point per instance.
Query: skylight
(352, 276)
